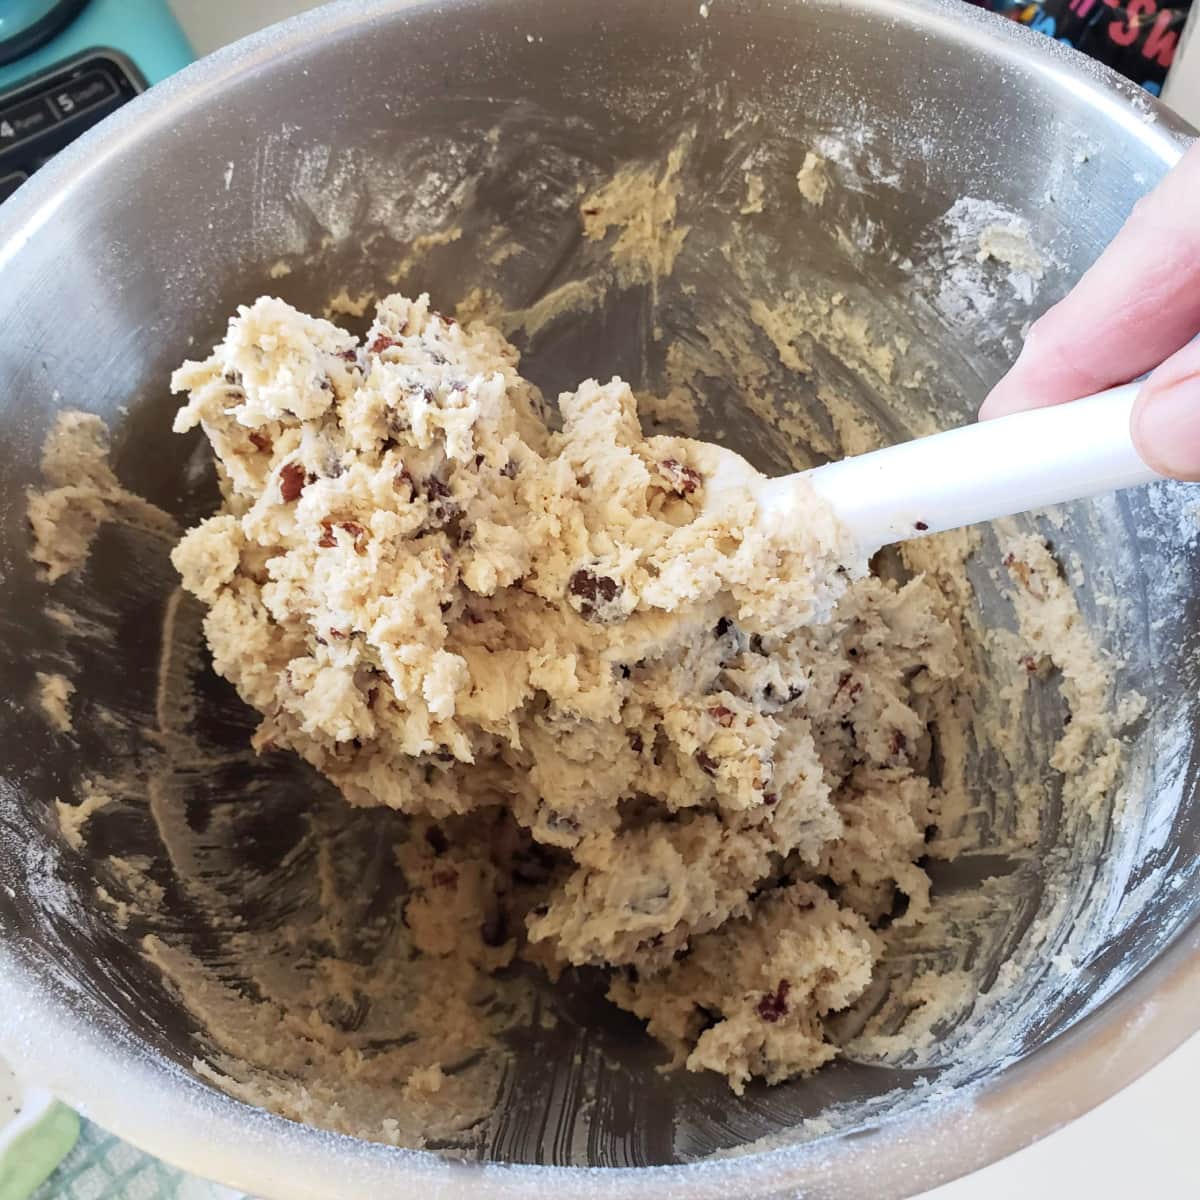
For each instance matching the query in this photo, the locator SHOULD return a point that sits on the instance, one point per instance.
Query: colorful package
(1136, 37)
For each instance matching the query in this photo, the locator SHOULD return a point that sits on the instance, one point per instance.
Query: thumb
(1165, 423)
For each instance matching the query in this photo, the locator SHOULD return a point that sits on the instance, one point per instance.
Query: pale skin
(1136, 309)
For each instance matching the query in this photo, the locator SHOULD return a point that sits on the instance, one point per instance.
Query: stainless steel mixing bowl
(331, 145)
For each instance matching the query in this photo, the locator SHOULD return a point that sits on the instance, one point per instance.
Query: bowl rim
(76, 1049)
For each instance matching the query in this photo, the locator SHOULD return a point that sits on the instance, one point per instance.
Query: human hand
(1138, 306)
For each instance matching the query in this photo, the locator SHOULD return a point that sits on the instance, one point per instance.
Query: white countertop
(1141, 1143)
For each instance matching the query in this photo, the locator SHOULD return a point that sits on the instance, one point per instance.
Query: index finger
(1137, 304)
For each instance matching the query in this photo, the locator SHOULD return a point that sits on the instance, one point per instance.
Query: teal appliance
(66, 64)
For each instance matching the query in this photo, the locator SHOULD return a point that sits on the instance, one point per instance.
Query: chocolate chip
(594, 596)
(635, 743)
(437, 840)
(494, 930)
(722, 627)
(920, 525)
(706, 762)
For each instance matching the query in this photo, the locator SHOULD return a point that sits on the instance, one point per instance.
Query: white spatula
(975, 473)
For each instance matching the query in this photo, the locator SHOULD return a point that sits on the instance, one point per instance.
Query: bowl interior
(449, 149)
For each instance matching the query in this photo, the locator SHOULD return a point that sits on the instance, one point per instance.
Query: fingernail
(1166, 427)
(1003, 399)
(1009, 395)
(993, 406)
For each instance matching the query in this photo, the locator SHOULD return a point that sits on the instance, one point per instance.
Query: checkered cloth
(101, 1167)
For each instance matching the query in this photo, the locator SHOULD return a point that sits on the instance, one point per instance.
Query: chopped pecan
(445, 877)
(260, 441)
(774, 1005)
(292, 479)
(382, 342)
(1026, 574)
(684, 480)
(722, 715)
(353, 528)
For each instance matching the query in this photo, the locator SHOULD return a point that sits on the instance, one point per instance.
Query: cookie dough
(632, 728)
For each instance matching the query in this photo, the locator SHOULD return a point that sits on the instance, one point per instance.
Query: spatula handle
(984, 470)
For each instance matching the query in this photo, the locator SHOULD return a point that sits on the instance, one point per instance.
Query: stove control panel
(43, 114)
